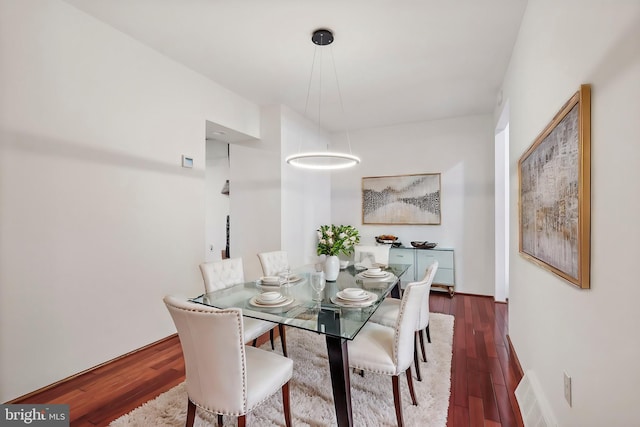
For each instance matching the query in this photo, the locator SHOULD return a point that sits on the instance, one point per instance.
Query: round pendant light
(323, 160)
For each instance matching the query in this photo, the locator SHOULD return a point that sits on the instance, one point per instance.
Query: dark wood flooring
(485, 372)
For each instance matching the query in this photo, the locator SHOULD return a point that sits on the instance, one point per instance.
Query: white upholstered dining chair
(388, 350)
(228, 272)
(389, 310)
(273, 262)
(224, 376)
(376, 254)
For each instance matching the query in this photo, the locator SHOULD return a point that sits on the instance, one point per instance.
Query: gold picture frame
(401, 199)
(554, 198)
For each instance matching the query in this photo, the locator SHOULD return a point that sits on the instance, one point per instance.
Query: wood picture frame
(554, 177)
(401, 199)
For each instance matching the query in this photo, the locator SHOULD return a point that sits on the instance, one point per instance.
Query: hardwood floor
(484, 371)
(484, 376)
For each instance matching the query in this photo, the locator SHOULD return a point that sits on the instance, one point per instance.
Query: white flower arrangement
(337, 239)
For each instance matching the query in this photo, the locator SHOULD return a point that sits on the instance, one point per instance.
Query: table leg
(395, 291)
(340, 379)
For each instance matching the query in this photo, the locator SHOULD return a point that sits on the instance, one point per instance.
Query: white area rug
(311, 396)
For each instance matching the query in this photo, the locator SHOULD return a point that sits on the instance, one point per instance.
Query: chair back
(410, 306)
(423, 319)
(222, 274)
(273, 262)
(214, 355)
(378, 253)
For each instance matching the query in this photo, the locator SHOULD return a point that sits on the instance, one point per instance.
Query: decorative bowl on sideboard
(424, 245)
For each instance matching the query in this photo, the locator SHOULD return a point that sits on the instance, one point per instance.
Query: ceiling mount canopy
(322, 37)
(323, 160)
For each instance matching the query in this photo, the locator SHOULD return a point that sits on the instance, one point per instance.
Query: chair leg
(286, 403)
(424, 353)
(428, 334)
(397, 400)
(242, 421)
(411, 389)
(191, 413)
(283, 339)
(220, 423)
(415, 355)
(273, 347)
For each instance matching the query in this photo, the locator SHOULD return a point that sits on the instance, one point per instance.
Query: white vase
(331, 268)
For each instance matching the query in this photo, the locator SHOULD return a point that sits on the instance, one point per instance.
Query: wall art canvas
(554, 196)
(402, 199)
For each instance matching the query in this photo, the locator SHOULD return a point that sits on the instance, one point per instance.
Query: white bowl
(344, 264)
(375, 270)
(352, 292)
(270, 296)
(270, 279)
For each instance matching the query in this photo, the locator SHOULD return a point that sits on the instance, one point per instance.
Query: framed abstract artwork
(401, 199)
(555, 193)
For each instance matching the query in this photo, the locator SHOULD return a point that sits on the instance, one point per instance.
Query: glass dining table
(339, 320)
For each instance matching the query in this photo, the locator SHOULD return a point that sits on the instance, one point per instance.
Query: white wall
(555, 327)
(256, 201)
(216, 203)
(461, 149)
(97, 219)
(501, 214)
(306, 194)
(279, 206)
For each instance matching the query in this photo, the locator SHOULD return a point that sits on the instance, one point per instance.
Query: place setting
(354, 297)
(270, 299)
(287, 278)
(269, 282)
(374, 273)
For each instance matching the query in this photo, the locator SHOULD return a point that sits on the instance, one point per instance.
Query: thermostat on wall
(187, 162)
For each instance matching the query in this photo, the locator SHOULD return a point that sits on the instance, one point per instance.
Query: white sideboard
(420, 259)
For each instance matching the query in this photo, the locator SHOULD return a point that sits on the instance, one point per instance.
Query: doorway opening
(217, 203)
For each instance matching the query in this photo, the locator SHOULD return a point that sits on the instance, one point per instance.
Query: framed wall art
(554, 193)
(401, 199)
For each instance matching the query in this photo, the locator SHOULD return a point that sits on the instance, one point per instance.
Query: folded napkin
(270, 280)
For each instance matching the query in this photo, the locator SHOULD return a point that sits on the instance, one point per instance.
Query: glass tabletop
(301, 307)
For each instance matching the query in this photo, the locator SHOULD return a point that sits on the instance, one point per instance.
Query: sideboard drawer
(444, 276)
(421, 259)
(404, 257)
(443, 256)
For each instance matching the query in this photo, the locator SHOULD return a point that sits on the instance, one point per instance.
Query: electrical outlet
(567, 388)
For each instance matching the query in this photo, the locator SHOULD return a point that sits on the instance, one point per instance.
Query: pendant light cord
(306, 102)
(335, 73)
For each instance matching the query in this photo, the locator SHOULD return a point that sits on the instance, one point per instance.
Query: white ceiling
(396, 61)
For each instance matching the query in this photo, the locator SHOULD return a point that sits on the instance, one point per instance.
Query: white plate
(383, 275)
(266, 301)
(294, 278)
(371, 298)
(345, 297)
(269, 284)
(375, 274)
(257, 303)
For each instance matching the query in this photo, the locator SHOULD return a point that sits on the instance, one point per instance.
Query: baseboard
(515, 357)
(87, 371)
(473, 295)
